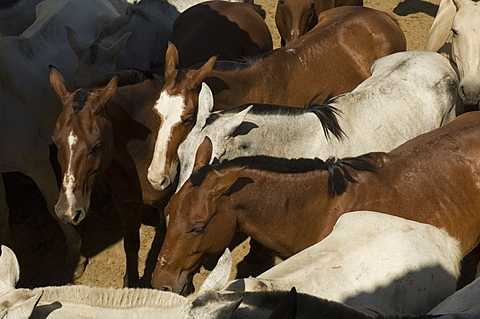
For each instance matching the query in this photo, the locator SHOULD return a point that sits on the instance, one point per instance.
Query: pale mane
(111, 297)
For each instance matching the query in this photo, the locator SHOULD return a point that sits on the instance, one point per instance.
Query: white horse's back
(386, 262)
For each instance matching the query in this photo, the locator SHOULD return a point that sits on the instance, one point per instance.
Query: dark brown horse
(231, 30)
(333, 58)
(288, 205)
(294, 18)
(109, 129)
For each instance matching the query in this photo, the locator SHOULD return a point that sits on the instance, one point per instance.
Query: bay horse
(456, 22)
(109, 129)
(29, 106)
(409, 93)
(294, 18)
(331, 59)
(289, 205)
(231, 30)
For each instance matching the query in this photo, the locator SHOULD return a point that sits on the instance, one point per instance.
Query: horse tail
(339, 176)
(327, 114)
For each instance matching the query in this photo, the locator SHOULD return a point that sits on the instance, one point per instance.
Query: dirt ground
(39, 242)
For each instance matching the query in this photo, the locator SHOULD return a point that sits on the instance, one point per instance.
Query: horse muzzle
(69, 214)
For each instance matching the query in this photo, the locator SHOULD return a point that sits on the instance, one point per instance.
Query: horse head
(294, 18)
(84, 138)
(457, 19)
(195, 231)
(176, 109)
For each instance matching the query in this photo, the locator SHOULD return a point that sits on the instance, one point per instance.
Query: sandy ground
(39, 243)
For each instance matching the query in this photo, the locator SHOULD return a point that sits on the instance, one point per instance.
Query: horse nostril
(165, 182)
(77, 216)
(166, 288)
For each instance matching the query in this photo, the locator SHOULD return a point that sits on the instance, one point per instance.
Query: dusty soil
(39, 242)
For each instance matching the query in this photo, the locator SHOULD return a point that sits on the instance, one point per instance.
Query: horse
(394, 265)
(213, 301)
(327, 60)
(289, 205)
(109, 129)
(294, 18)
(29, 105)
(456, 21)
(136, 40)
(409, 93)
(231, 30)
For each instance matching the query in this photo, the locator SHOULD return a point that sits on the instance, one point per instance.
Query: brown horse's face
(200, 225)
(294, 18)
(84, 139)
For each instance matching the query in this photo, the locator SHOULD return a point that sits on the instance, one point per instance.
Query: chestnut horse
(289, 205)
(112, 130)
(231, 30)
(294, 18)
(332, 59)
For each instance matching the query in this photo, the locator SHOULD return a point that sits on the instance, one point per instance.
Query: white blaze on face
(68, 178)
(170, 109)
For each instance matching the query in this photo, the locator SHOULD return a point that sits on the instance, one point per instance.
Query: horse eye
(197, 229)
(188, 120)
(454, 31)
(96, 148)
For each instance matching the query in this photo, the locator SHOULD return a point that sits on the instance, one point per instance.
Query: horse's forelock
(80, 97)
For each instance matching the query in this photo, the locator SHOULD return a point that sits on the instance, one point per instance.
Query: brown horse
(288, 205)
(295, 17)
(109, 129)
(333, 58)
(231, 30)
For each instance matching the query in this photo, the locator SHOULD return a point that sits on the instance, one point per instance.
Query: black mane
(338, 178)
(127, 77)
(326, 113)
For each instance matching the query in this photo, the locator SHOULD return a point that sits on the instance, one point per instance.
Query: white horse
(371, 259)
(29, 106)
(457, 21)
(409, 93)
(137, 40)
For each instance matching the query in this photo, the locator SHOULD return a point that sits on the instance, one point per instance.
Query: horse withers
(427, 179)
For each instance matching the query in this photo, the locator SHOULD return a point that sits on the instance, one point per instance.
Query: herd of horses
(341, 152)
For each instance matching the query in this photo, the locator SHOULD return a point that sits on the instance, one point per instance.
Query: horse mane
(338, 178)
(315, 307)
(111, 297)
(326, 113)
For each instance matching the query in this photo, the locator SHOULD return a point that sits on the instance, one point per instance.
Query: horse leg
(44, 176)
(5, 236)
(131, 216)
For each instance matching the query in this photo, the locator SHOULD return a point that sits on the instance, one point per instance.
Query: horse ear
(441, 27)
(226, 178)
(287, 307)
(203, 155)
(205, 101)
(235, 121)
(105, 95)
(218, 278)
(9, 269)
(74, 42)
(200, 75)
(58, 84)
(171, 62)
(118, 46)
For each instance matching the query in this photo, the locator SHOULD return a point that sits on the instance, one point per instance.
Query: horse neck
(268, 139)
(260, 213)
